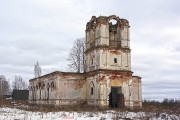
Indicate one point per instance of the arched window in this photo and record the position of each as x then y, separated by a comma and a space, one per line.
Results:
43, 86
91, 88
39, 85
92, 91
36, 87
48, 86
52, 86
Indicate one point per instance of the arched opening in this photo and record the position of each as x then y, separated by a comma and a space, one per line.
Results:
91, 88
40, 87
36, 87
114, 33
48, 86
113, 22
43, 91
116, 97
43, 86
92, 91
52, 86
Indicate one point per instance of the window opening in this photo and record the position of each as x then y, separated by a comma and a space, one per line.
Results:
115, 60
91, 90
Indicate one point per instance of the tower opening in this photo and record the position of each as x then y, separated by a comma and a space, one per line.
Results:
114, 33
113, 22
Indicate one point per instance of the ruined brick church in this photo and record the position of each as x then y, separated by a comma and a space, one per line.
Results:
107, 80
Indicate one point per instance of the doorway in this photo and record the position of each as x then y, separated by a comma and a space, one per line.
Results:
116, 98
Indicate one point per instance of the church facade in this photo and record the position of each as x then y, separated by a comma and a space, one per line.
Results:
107, 80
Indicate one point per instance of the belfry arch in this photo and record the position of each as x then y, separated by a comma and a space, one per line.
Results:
114, 32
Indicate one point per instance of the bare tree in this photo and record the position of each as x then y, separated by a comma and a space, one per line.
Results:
4, 86
37, 70
76, 56
19, 83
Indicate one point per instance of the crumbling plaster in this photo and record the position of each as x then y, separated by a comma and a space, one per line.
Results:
107, 65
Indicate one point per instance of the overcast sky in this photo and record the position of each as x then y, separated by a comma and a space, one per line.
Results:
44, 30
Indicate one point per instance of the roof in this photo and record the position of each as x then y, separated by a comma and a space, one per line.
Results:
57, 73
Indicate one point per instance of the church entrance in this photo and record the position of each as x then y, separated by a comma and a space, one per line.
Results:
116, 98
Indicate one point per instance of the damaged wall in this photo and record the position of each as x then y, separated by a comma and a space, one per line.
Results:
58, 88
107, 71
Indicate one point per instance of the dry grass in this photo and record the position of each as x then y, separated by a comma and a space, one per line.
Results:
155, 107
5, 102
150, 109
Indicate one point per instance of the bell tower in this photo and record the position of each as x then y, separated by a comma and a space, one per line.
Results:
107, 44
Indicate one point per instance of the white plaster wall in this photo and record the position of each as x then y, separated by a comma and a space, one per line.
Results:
103, 94
87, 40
30, 94
95, 56
103, 89
126, 92
31, 91
104, 34
97, 32
66, 90
106, 60
125, 37
136, 92
69, 89
92, 99
124, 33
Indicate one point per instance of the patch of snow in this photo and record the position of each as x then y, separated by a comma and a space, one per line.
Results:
16, 114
